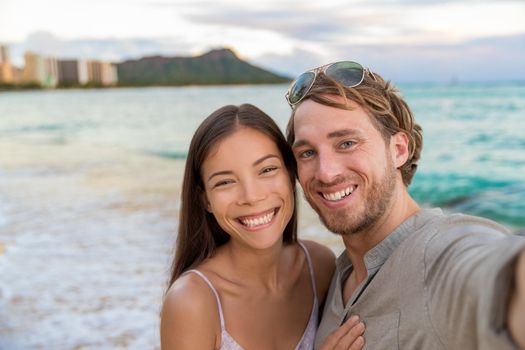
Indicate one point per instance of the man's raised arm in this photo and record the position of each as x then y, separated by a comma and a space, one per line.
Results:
516, 314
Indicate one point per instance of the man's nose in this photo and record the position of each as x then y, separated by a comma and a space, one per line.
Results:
329, 167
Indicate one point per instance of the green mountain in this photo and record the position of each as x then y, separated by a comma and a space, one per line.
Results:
220, 66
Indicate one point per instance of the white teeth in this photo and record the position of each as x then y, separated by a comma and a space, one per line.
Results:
261, 220
336, 196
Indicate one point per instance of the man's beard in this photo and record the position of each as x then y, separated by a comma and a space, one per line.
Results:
344, 221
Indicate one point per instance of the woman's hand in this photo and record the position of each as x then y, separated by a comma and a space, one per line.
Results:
347, 337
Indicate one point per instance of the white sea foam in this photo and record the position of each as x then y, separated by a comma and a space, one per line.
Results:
83, 267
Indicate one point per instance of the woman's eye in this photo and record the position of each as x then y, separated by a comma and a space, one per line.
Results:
223, 183
268, 169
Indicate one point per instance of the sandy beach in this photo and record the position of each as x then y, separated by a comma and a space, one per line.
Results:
86, 236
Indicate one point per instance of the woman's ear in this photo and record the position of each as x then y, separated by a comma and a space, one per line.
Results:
204, 201
399, 148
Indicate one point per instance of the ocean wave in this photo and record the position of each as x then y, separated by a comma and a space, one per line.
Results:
172, 154
500, 200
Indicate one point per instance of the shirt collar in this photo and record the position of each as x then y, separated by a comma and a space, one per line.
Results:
376, 257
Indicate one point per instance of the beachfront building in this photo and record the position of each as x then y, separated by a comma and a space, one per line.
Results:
6, 69
50, 72
4, 54
40, 70
109, 74
103, 73
72, 72
34, 71
17, 74
94, 69
6, 73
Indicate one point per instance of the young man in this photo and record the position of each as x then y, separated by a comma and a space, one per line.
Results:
418, 278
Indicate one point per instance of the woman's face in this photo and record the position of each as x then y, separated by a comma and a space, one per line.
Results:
248, 188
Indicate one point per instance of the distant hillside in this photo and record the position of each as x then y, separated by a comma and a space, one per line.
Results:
215, 67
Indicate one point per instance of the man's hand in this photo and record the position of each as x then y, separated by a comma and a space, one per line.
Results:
516, 314
347, 337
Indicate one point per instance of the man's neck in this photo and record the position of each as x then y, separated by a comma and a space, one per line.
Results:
358, 244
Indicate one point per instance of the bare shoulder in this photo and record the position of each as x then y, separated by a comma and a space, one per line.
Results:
323, 261
322, 256
185, 316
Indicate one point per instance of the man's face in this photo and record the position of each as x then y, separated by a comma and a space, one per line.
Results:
346, 169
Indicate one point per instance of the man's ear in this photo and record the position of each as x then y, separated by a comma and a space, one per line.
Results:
399, 148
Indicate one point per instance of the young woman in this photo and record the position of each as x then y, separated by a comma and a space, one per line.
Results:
240, 278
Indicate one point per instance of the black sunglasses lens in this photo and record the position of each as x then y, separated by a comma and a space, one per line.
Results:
300, 87
348, 73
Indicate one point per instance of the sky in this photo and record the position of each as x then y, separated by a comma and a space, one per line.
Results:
403, 40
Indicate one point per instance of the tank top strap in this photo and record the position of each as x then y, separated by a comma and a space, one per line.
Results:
219, 305
310, 268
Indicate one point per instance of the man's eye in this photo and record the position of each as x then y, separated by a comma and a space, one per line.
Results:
347, 144
306, 154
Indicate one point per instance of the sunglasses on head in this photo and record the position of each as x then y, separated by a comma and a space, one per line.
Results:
347, 73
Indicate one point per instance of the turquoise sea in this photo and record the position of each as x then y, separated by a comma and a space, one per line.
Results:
474, 139
90, 187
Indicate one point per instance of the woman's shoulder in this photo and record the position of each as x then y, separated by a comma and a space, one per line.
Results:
185, 315
190, 294
320, 254
323, 264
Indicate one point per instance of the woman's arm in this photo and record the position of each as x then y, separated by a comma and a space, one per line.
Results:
347, 337
516, 313
189, 317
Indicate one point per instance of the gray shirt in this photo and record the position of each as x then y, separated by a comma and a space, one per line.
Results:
436, 282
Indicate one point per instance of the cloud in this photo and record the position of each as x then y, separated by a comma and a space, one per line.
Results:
304, 23
488, 58
114, 50
484, 59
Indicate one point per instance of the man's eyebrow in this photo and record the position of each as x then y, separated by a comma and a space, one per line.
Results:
257, 162
331, 135
300, 143
341, 133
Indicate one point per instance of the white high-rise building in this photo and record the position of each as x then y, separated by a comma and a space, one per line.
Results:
34, 69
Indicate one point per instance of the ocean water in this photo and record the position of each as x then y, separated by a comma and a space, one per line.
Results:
89, 188
474, 139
